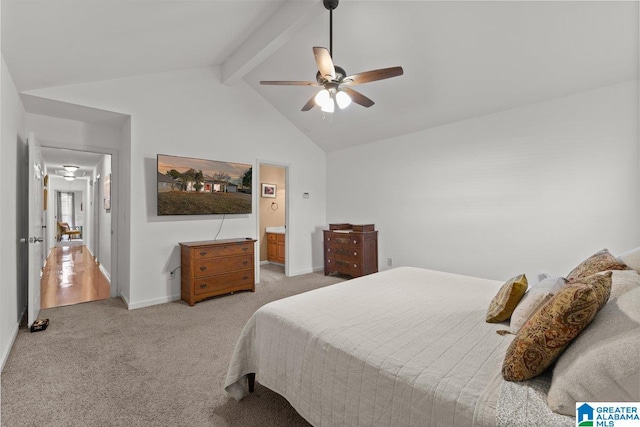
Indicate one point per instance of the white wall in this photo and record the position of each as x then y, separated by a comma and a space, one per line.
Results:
534, 189
12, 150
190, 113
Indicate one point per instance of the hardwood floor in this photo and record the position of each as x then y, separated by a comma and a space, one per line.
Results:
71, 277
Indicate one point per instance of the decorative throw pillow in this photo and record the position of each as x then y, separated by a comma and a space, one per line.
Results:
600, 261
507, 299
623, 281
537, 295
531, 302
603, 363
546, 334
631, 258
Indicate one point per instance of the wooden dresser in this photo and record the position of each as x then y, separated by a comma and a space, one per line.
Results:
216, 267
351, 249
275, 247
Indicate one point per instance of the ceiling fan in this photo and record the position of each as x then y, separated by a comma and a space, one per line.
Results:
334, 80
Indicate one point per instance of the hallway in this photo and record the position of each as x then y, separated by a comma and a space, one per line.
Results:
71, 277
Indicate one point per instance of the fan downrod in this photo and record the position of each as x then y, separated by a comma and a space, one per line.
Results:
330, 4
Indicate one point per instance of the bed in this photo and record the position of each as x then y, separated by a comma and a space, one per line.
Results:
403, 347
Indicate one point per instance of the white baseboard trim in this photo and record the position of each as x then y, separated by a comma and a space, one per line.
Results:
301, 272
150, 302
264, 262
106, 273
125, 300
6, 351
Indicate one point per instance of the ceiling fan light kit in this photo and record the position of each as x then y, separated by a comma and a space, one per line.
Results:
332, 77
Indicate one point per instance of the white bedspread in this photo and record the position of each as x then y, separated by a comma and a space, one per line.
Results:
404, 347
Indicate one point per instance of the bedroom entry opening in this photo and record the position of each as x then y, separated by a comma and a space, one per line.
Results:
78, 258
273, 219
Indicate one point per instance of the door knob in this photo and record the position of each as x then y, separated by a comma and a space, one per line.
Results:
31, 240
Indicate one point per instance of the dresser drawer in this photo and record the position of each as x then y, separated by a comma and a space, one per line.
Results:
208, 266
223, 281
342, 251
350, 267
346, 239
221, 251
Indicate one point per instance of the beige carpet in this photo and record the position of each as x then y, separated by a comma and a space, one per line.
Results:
99, 364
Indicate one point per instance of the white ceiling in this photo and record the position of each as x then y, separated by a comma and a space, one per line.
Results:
56, 159
461, 59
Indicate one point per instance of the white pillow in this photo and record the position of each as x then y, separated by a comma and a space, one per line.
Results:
623, 281
537, 295
631, 258
603, 362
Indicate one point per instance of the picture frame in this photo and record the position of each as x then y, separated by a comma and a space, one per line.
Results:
269, 190
107, 192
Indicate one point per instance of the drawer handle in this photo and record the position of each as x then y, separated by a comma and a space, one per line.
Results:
328, 261
202, 253
245, 249
245, 263
355, 241
204, 285
245, 277
355, 253
329, 250
355, 265
203, 268
329, 239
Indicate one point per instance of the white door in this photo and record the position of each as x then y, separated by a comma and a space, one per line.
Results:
34, 239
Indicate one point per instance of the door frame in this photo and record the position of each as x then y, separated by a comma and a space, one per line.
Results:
115, 285
287, 210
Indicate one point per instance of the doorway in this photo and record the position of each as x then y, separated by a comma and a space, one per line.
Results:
78, 267
273, 217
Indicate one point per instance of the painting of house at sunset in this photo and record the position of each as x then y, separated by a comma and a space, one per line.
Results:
189, 186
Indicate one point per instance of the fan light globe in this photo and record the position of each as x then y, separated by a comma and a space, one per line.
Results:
322, 98
71, 168
329, 106
343, 100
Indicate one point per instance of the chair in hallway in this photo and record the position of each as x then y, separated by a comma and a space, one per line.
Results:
64, 229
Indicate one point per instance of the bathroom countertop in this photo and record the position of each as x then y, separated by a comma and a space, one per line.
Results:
276, 230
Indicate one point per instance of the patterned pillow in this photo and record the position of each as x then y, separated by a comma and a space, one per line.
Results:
600, 261
547, 333
507, 299
531, 302
603, 363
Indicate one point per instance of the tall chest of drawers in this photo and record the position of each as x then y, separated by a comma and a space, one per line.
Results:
351, 250
216, 267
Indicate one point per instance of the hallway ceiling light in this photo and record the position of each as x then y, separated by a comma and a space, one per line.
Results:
71, 168
69, 177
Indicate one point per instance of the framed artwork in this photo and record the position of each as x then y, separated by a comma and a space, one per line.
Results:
269, 190
107, 192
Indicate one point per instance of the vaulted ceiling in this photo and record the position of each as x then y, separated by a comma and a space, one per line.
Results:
461, 59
